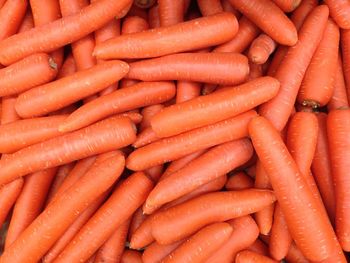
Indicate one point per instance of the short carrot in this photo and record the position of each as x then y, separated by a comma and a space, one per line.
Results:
210, 7
187, 90
239, 181
247, 256
171, 12
287, 5
217, 30
261, 48
157, 252
339, 11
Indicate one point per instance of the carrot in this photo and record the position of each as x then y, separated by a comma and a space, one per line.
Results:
11, 15
261, 48
221, 159
287, 5
131, 256
306, 219
217, 29
134, 24
142, 236
338, 126
278, 26
317, 87
255, 71
247, 256
302, 11
321, 167
2, 2
239, 181
136, 220
247, 32
169, 149
145, 137
63, 92
157, 252
68, 68
171, 12
345, 47
19, 134
153, 17
259, 247
50, 225
291, 71
147, 114
210, 7
144, 3
139, 95
98, 138
201, 245
27, 22
339, 11
80, 248
203, 110
295, 256
187, 90
198, 67
245, 232
63, 31
29, 203
8, 112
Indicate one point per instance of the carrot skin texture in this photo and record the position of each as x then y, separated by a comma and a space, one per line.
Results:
339, 11
143, 234
172, 148
182, 37
247, 256
134, 24
147, 114
171, 12
293, 67
203, 110
49, 225
275, 157
210, 7
287, 5
140, 186
261, 48
145, 137
187, 90
98, 138
239, 181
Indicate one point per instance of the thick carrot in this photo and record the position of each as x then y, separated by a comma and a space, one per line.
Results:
136, 96
50, 225
131, 256
247, 256
22, 133
338, 126
147, 114
101, 137
287, 5
153, 17
210, 7
209, 166
278, 26
169, 149
157, 252
291, 71
239, 181
295, 256
306, 219
339, 10
201, 245
261, 48
29, 203
117, 209
245, 232
65, 91
191, 35
145, 137
318, 84
204, 110
28, 73
171, 12
187, 90
134, 24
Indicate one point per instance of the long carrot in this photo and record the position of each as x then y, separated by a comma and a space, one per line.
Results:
221, 159
261, 48
124, 201
203, 110
209, 7
182, 37
339, 11
171, 12
287, 5
157, 252
291, 71
239, 181
247, 256
50, 225
307, 221
65, 91
169, 149
30, 72
136, 96
101, 137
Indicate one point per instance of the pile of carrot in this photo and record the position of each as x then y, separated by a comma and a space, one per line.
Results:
162, 131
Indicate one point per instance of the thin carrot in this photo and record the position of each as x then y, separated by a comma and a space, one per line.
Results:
187, 90
295, 256
131, 256
247, 256
261, 48
182, 37
27, 22
147, 114
157, 252
303, 10
203, 110
153, 17
145, 137
136, 96
287, 5
136, 220
63, 92
50, 225
169, 149
101, 137
210, 7
122, 203
339, 11
239, 181
68, 68
307, 221
291, 71
171, 12
255, 71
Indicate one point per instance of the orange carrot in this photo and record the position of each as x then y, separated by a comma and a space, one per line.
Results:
147, 114
153, 17
143, 234
136, 220
247, 256
291, 71
65, 91
210, 7
157, 252
295, 256
261, 48
144, 3
171, 12
2, 2
239, 181
226, 5
255, 71
134, 24
131, 256
184, 36
101, 137
345, 47
27, 22
187, 90
68, 68
139, 185
139, 95
204, 110
307, 221
287, 5
259, 247
145, 137
50, 225
339, 11
169, 149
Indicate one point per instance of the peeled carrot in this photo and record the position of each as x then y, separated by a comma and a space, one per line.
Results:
182, 37
65, 91
50, 225
136, 96
309, 228
123, 203
201, 245
145, 137
157, 252
339, 11
204, 110
187, 90
101, 137
131, 256
239, 181
153, 17
261, 48
169, 149
291, 71
287, 5
209, 7
247, 256
171, 12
